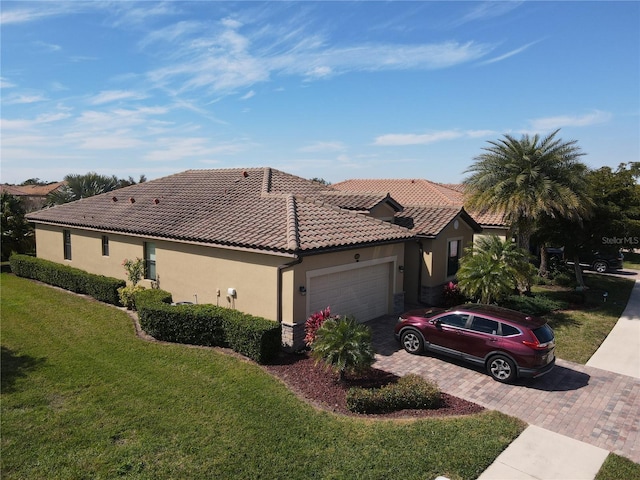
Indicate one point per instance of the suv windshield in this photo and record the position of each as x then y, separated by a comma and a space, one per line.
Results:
544, 334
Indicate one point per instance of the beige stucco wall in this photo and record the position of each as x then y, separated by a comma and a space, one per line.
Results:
488, 231
188, 270
425, 276
316, 262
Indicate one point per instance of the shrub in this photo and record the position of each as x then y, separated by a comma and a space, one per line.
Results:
134, 269
313, 323
104, 289
536, 306
452, 295
254, 337
344, 345
127, 295
410, 392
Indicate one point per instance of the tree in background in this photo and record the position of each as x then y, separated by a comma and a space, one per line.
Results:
615, 219
17, 233
82, 186
526, 179
494, 268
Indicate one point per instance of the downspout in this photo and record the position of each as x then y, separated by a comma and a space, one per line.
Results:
281, 268
420, 266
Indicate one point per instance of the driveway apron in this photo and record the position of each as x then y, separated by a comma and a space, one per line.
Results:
585, 403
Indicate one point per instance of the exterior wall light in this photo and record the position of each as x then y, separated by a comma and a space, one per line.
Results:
303, 290
401, 268
357, 257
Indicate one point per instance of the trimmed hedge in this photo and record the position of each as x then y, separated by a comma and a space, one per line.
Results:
410, 392
104, 289
254, 337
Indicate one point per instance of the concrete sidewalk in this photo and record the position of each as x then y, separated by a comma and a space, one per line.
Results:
541, 454
620, 351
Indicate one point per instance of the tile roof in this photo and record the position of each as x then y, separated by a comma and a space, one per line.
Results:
31, 190
258, 208
420, 192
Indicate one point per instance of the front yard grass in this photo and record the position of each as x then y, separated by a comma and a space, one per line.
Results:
582, 328
83, 397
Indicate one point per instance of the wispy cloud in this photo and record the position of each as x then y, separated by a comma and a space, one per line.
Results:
176, 148
401, 139
585, 120
324, 147
232, 55
4, 83
486, 10
108, 96
404, 139
22, 99
509, 54
248, 95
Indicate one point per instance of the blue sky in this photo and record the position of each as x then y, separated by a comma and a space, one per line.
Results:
335, 90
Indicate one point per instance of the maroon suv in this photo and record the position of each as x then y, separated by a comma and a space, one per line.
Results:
507, 343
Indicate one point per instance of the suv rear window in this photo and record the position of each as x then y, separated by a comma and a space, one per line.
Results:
544, 334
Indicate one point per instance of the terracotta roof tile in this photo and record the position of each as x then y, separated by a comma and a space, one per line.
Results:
420, 192
251, 208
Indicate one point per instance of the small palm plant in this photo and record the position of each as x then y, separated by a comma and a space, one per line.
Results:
494, 268
344, 345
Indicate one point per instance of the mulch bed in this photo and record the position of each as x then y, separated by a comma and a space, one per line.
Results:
320, 387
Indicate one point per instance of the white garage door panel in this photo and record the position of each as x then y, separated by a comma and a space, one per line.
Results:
361, 292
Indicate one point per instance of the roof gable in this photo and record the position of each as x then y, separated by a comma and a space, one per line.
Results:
424, 193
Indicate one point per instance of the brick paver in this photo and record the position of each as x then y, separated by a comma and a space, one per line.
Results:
585, 403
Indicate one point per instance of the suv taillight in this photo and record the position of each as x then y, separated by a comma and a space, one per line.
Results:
536, 345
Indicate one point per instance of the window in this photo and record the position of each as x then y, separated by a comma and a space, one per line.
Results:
66, 235
453, 257
150, 260
484, 325
454, 320
105, 246
508, 330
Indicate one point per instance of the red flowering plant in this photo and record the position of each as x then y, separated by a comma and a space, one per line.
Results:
452, 295
313, 323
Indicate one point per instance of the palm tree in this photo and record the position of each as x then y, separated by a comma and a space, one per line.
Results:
344, 345
82, 186
493, 268
526, 178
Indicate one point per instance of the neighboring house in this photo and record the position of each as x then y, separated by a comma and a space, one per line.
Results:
258, 240
443, 229
34, 197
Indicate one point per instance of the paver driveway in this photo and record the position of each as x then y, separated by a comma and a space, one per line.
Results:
585, 403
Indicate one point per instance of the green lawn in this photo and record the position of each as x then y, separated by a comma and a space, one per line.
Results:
83, 397
581, 330
631, 260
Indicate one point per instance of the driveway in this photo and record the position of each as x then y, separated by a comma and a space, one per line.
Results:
585, 403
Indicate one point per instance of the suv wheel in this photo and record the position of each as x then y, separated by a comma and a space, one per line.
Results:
501, 368
600, 266
412, 341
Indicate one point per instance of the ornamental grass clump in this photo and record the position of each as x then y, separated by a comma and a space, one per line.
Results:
344, 346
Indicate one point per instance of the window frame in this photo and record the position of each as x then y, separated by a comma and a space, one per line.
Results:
150, 261
66, 244
451, 269
105, 245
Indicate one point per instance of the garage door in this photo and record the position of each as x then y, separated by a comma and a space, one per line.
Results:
362, 292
